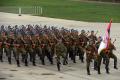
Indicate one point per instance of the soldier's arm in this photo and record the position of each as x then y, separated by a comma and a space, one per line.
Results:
87, 50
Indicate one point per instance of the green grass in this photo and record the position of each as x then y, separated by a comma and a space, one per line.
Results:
70, 9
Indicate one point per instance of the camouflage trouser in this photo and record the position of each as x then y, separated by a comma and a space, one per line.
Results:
8, 54
47, 53
88, 61
111, 55
38, 51
73, 55
58, 60
24, 56
106, 57
81, 54
32, 55
16, 54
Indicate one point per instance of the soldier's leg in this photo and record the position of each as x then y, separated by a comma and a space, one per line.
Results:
96, 62
64, 59
9, 52
81, 56
16, 56
25, 58
115, 60
99, 63
1, 55
88, 66
74, 57
34, 58
104, 61
107, 64
49, 56
18, 60
71, 55
39, 53
42, 58
31, 57
58, 62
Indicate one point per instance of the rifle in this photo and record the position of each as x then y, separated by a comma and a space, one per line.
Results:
114, 41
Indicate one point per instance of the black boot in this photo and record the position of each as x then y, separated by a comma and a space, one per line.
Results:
99, 70
9, 60
18, 63
107, 71
88, 71
26, 62
1, 59
43, 62
58, 66
115, 67
34, 64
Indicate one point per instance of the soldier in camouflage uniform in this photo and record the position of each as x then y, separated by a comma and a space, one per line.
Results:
83, 43
73, 51
91, 54
60, 51
38, 49
112, 55
22, 50
16, 52
2, 46
103, 54
30, 49
9, 48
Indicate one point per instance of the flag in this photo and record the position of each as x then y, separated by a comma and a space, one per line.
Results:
105, 41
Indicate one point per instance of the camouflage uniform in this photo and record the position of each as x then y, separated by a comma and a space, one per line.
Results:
38, 49
9, 48
30, 50
73, 51
103, 54
60, 51
2, 46
83, 43
111, 55
90, 55
22, 50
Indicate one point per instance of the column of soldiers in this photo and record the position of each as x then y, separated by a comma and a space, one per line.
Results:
29, 43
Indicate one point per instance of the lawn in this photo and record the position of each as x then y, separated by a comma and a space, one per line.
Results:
70, 9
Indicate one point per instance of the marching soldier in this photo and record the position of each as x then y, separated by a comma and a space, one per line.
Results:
22, 49
103, 54
16, 51
91, 54
38, 49
112, 55
73, 51
83, 42
60, 51
30, 50
2, 46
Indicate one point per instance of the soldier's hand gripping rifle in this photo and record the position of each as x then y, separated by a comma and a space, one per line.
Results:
87, 33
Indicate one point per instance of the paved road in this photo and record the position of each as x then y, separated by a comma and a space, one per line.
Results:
49, 72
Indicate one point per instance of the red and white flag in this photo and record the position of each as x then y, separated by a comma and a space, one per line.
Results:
105, 41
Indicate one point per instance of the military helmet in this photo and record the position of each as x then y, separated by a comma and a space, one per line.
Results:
92, 31
82, 31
